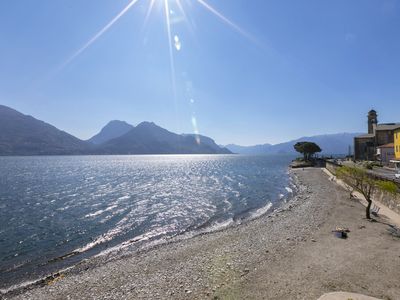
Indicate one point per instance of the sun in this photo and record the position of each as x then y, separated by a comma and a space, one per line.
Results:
173, 40
180, 4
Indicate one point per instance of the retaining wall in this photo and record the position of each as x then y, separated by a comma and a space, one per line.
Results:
387, 199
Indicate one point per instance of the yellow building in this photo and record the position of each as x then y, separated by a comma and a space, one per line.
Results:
397, 143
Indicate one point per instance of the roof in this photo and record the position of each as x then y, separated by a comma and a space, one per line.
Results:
390, 145
365, 136
388, 126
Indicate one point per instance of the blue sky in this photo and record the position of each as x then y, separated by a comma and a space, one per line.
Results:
282, 69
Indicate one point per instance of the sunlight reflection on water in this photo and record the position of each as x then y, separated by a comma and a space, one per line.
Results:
56, 205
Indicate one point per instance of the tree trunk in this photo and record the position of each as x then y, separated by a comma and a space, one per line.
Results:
368, 214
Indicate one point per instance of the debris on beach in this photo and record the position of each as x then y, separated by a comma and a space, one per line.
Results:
51, 279
341, 232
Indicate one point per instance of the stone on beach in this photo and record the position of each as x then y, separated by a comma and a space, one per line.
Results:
254, 260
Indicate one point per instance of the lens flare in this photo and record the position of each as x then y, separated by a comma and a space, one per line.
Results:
171, 58
196, 129
177, 43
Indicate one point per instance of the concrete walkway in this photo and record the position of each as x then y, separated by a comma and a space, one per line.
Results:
345, 296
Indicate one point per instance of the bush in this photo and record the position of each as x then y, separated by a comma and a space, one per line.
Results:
388, 186
369, 166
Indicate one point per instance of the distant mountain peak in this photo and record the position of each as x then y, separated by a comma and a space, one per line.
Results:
112, 130
117, 122
147, 124
24, 135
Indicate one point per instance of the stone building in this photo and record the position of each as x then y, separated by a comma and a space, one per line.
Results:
365, 146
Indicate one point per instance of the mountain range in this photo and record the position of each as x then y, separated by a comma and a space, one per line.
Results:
330, 144
24, 135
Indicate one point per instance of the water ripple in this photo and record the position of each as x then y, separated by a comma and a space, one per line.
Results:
59, 207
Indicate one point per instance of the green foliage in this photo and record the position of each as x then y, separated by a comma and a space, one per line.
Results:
388, 186
308, 149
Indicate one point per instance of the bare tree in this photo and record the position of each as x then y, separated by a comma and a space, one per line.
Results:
358, 179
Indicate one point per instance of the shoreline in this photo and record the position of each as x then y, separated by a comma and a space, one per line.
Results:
131, 247
290, 253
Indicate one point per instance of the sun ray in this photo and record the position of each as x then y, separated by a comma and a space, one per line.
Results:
179, 5
185, 17
98, 34
227, 21
149, 11
171, 54
171, 57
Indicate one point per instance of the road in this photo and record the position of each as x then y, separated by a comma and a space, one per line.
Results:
381, 172
385, 173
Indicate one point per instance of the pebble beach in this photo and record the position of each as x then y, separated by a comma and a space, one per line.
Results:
290, 253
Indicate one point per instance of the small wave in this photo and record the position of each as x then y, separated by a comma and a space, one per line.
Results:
100, 240
99, 212
261, 211
220, 225
229, 178
18, 286
289, 190
159, 232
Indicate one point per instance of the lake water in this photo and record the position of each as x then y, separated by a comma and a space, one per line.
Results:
73, 207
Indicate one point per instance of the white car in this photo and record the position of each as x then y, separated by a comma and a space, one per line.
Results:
397, 175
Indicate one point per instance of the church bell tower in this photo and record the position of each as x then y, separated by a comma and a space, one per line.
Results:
372, 121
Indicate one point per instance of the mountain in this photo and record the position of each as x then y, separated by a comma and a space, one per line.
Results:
148, 138
205, 140
24, 135
257, 149
111, 131
330, 144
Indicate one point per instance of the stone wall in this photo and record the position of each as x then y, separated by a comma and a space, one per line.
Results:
387, 199
331, 166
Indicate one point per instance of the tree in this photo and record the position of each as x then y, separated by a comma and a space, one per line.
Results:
359, 180
308, 149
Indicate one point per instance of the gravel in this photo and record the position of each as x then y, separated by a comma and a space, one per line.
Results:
290, 253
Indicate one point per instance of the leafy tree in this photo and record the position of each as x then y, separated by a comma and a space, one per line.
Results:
308, 149
359, 180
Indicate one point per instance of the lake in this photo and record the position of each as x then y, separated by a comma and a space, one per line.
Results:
57, 210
